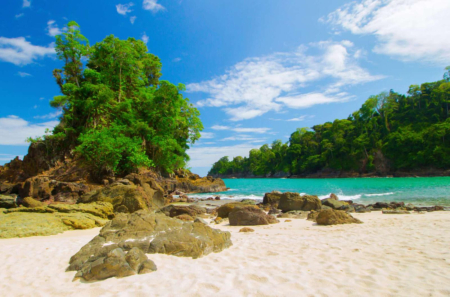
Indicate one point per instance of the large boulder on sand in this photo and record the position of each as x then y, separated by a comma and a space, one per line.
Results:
335, 217
250, 216
176, 210
116, 263
335, 204
224, 210
272, 198
127, 198
152, 233
293, 201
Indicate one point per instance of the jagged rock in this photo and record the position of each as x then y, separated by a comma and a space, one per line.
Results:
116, 264
7, 201
294, 214
152, 233
250, 216
293, 201
272, 198
335, 217
68, 191
185, 217
176, 210
246, 229
30, 202
187, 182
335, 204
126, 198
396, 211
224, 210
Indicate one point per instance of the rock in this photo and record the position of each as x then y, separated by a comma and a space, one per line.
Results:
7, 201
359, 208
335, 217
333, 197
184, 217
103, 210
200, 220
380, 205
274, 211
224, 210
396, 211
294, 214
287, 221
248, 201
410, 206
246, 229
438, 208
176, 210
218, 220
30, 202
312, 216
272, 198
250, 216
395, 205
116, 264
152, 233
127, 198
188, 182
335, 204
293, 201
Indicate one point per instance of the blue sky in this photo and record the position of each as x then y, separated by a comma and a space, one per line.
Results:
257, 70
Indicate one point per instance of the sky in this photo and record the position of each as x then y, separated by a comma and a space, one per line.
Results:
256, 70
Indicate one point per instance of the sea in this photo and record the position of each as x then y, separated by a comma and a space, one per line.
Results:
420, 191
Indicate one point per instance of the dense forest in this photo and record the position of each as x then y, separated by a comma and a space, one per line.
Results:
390, 132
117, 115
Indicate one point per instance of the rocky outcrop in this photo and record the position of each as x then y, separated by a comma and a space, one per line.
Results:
176, 210
335, 217
250, 216
187, 182
116, 263
31, 202
224, 210
53, 219
246, 230
335, 204
272, 198
151, 233
8, 201
293, 201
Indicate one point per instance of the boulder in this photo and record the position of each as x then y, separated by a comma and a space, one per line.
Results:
335, 217
410, 206
250, 216
176, 210
333, 196
246, 229
224, 210
30, 202
396, 211
335, 204
293, 201
116, 264
7, 201
126, 198
312, 216
380, 205
184, 217
248, 201
294, 214
152, 233
272, 198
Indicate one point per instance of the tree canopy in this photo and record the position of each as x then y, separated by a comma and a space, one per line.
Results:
116, 112
410, 131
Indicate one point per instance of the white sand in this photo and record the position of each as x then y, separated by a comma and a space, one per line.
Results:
388, 255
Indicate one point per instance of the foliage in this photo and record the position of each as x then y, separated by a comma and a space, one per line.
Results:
117, 114
411, 131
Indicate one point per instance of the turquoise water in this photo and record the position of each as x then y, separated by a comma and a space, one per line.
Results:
420, 191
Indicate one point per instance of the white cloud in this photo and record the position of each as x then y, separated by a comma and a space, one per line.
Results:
144, 38
15, 130
51, 115
53, 29
299, 119
207, 135
241, 130
23, 74
255, 86
176, 60
26, 3
246, 138
21, 52
19, 15
132, 19
206, 156
310, 99
406, 29
152, 5
123, 9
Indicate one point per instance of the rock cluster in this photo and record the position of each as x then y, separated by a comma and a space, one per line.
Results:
250, 216
335, 217
294, 201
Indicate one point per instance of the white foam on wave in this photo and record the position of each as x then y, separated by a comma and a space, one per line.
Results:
381, 194
342, 196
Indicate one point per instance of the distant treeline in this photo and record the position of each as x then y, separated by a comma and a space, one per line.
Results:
400, 132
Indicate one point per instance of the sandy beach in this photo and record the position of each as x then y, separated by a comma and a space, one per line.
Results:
388, 255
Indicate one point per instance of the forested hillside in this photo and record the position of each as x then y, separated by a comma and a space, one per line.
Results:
117, 115
390, 132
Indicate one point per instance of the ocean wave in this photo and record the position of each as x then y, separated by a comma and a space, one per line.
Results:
381, 194
342, 196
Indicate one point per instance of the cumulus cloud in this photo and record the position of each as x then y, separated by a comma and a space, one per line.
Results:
246, 138
144, 38
51, 115
405, 29
53, 29
132, 19
206, 156
207, 135
241, 130
21, 52
152, 5
15, 130
123, 9
23, 74
258, 85
26, 3
19, 15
